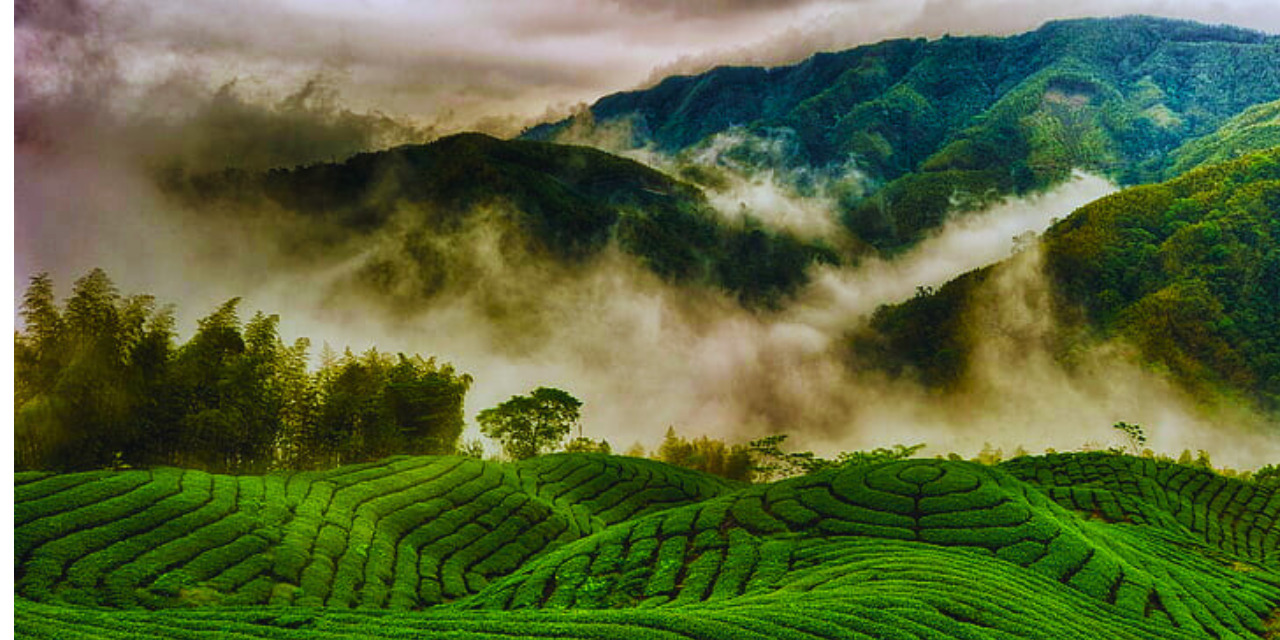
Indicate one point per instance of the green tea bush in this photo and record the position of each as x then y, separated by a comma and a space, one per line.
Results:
1116, 546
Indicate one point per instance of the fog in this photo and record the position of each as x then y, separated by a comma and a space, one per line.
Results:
101, 111
497, 65
641, 353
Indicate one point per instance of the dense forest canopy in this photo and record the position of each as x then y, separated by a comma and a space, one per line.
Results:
960, 121
564, 202
1186, 270
101, 380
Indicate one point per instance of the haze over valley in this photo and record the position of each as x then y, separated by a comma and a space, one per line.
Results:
739, 335
647, 319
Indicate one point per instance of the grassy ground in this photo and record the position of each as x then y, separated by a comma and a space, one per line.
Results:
593, 546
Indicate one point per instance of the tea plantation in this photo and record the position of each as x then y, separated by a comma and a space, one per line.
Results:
594, 546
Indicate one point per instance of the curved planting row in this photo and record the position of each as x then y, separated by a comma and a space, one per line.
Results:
613, 489
752, 543
100, 542
403, 533
587, 545
903, 591
1241, 518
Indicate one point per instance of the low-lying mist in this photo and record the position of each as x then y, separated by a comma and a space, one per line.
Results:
642, 354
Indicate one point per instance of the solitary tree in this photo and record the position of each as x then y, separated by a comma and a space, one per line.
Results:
529, 425
1134, 434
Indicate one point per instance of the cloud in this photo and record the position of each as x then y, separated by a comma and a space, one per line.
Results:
760, 176
642, 354
962, 244
106, 91
500, 64
1017, 382
711, 8
228, 129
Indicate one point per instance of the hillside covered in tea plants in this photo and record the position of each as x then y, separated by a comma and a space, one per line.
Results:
596, 546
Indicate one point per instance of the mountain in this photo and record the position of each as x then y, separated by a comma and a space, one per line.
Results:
588, 545
1257, 129
956, 122
566, 202
1188, 271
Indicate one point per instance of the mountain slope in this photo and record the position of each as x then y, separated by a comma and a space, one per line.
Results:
952, 122
1186, 270
1257, 129
583, 545
563, 202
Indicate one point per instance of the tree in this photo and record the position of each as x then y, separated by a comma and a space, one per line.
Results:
224, 402
425, 401
473, 448
354, 422
771, 461
706, 455
528, 425
1135, 435
587, 445
377, 405
1268, 475
36, 354
101, 382
86, 376
881, 454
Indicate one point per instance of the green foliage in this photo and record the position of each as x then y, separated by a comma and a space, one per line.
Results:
375, 405
925, 338
1269, 474
101, 383
771, 462
587, 445
529, 425
566, 202
953, 123
706, 455
1185, 270
1134, 434
473, 448
878, 455
86, 375
1255, 129
622, 547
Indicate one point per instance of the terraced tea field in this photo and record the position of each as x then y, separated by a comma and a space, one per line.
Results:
594, 546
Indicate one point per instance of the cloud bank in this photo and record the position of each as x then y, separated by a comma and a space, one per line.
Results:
491, 64
108, 94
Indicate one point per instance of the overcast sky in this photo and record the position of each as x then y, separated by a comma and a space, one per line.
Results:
495, 64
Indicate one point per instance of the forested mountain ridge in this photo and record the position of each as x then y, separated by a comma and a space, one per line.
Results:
566, 202
925, 127
1257, 129
957, 121
1186, 270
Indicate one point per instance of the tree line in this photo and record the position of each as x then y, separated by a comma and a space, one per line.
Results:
101, 380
